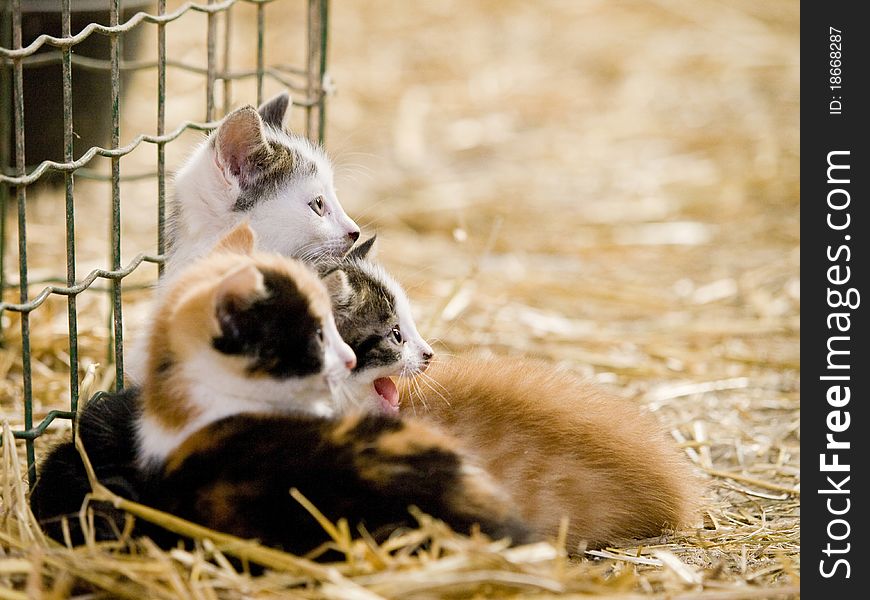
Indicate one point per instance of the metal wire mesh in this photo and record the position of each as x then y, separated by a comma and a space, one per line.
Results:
307, 87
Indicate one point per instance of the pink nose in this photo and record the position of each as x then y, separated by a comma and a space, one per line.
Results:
348, 356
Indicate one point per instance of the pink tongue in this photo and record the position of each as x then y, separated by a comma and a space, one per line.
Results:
389, 394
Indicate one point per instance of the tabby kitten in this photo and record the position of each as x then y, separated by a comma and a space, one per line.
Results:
559, 445
374, 317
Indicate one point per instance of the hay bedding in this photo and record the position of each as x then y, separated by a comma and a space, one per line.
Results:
611, 187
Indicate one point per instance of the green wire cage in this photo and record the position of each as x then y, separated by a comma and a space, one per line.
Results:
65, 66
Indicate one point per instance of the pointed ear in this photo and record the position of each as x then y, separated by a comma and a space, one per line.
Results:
338, 286
273, 111
238, 137
240, 239
364, 250
236, 292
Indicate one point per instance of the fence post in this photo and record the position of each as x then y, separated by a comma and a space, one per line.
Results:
5, 149
70, 210
318, 16
118, 323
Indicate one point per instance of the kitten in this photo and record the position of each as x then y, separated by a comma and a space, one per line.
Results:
561, 447
557, 444
368, 306
252, 169
374, 317
249, 367
264, 322
235, 475
128, 435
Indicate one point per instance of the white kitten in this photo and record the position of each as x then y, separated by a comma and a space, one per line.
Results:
251, 169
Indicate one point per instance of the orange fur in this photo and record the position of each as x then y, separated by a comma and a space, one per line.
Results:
240, 240
562, 448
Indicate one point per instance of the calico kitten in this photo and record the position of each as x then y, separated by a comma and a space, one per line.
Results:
372, 314
235, 476
107, 427
263, 364
561, 447
128, 435
264, 323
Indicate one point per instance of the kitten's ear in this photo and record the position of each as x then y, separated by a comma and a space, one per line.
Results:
240, 240
238, 137
365, 250
240, 288
338, 286
273, 111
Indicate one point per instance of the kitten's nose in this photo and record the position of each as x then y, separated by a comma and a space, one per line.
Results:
342, 353
353, 235
348, 356
427, 358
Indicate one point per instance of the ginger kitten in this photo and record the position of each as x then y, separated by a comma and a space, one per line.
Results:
561, 447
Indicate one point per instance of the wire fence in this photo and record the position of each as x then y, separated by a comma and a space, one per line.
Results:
18, 59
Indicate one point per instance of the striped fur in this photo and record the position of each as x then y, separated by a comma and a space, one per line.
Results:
374, 317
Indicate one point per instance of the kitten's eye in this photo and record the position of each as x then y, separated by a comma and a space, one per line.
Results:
317, 206
319, 334
397, 335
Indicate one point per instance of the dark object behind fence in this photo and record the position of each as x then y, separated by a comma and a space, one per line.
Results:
43, 78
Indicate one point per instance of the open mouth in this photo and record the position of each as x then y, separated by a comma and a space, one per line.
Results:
388, 394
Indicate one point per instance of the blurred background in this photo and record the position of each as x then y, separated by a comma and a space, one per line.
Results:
609, 185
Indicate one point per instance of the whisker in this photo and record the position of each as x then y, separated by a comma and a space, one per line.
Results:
411, 391
426, 380
416, 383
426, 376
368, 209
345, 397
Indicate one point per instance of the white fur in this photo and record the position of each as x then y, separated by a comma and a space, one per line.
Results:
283, 223
339, 356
